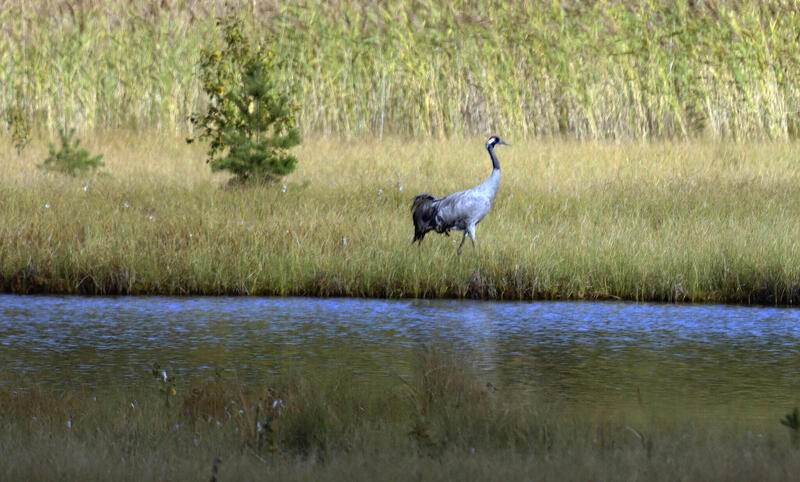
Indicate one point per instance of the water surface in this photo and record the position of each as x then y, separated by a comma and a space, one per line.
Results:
594, 353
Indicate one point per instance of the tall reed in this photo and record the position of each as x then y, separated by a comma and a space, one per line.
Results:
622, 69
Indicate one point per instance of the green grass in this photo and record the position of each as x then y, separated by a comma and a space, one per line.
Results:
672, 221
621, 69
444, 421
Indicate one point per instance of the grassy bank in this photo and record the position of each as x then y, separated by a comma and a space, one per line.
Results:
653, 221
444, 421
621, 69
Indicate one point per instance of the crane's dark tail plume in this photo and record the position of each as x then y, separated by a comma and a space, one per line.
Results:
424, 213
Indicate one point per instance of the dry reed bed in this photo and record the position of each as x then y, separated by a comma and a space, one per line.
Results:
653, 221
600, 70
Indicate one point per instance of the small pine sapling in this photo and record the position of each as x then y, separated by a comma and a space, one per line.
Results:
70, 159
249, 122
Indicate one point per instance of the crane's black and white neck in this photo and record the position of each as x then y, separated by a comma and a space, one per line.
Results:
493, 141
461, 210
489, 187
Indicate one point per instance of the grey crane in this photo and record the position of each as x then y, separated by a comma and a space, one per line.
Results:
459, 211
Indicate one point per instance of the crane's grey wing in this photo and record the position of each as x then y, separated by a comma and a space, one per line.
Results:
461, 209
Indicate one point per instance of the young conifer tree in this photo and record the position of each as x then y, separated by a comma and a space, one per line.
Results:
249, 122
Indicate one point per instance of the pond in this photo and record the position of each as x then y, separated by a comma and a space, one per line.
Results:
730, 358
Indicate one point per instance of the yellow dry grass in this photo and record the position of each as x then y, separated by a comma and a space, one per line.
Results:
697, 221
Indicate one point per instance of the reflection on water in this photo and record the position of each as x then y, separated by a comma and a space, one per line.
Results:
583, 351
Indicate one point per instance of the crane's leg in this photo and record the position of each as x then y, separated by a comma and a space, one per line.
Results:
471, 233
463, 238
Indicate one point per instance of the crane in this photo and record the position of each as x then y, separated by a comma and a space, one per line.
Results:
459, 211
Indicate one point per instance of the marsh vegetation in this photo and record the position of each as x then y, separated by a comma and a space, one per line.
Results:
664, 221
654, 158
623, 69
445, 420
689, 215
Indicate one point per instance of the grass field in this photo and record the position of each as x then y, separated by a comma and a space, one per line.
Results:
672, 221
444, 421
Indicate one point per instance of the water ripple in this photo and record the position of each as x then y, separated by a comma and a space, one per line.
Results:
572, 346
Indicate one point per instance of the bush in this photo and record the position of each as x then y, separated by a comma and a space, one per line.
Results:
20, 128
70, 159
249, 121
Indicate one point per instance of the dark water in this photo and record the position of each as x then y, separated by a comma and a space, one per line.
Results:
590, 352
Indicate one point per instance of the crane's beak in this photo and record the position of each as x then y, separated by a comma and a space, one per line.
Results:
504, 143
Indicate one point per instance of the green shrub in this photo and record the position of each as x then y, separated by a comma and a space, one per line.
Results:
249, 121
20, 128
70, 159
792, 421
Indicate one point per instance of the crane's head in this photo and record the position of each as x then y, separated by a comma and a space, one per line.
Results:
493, 141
